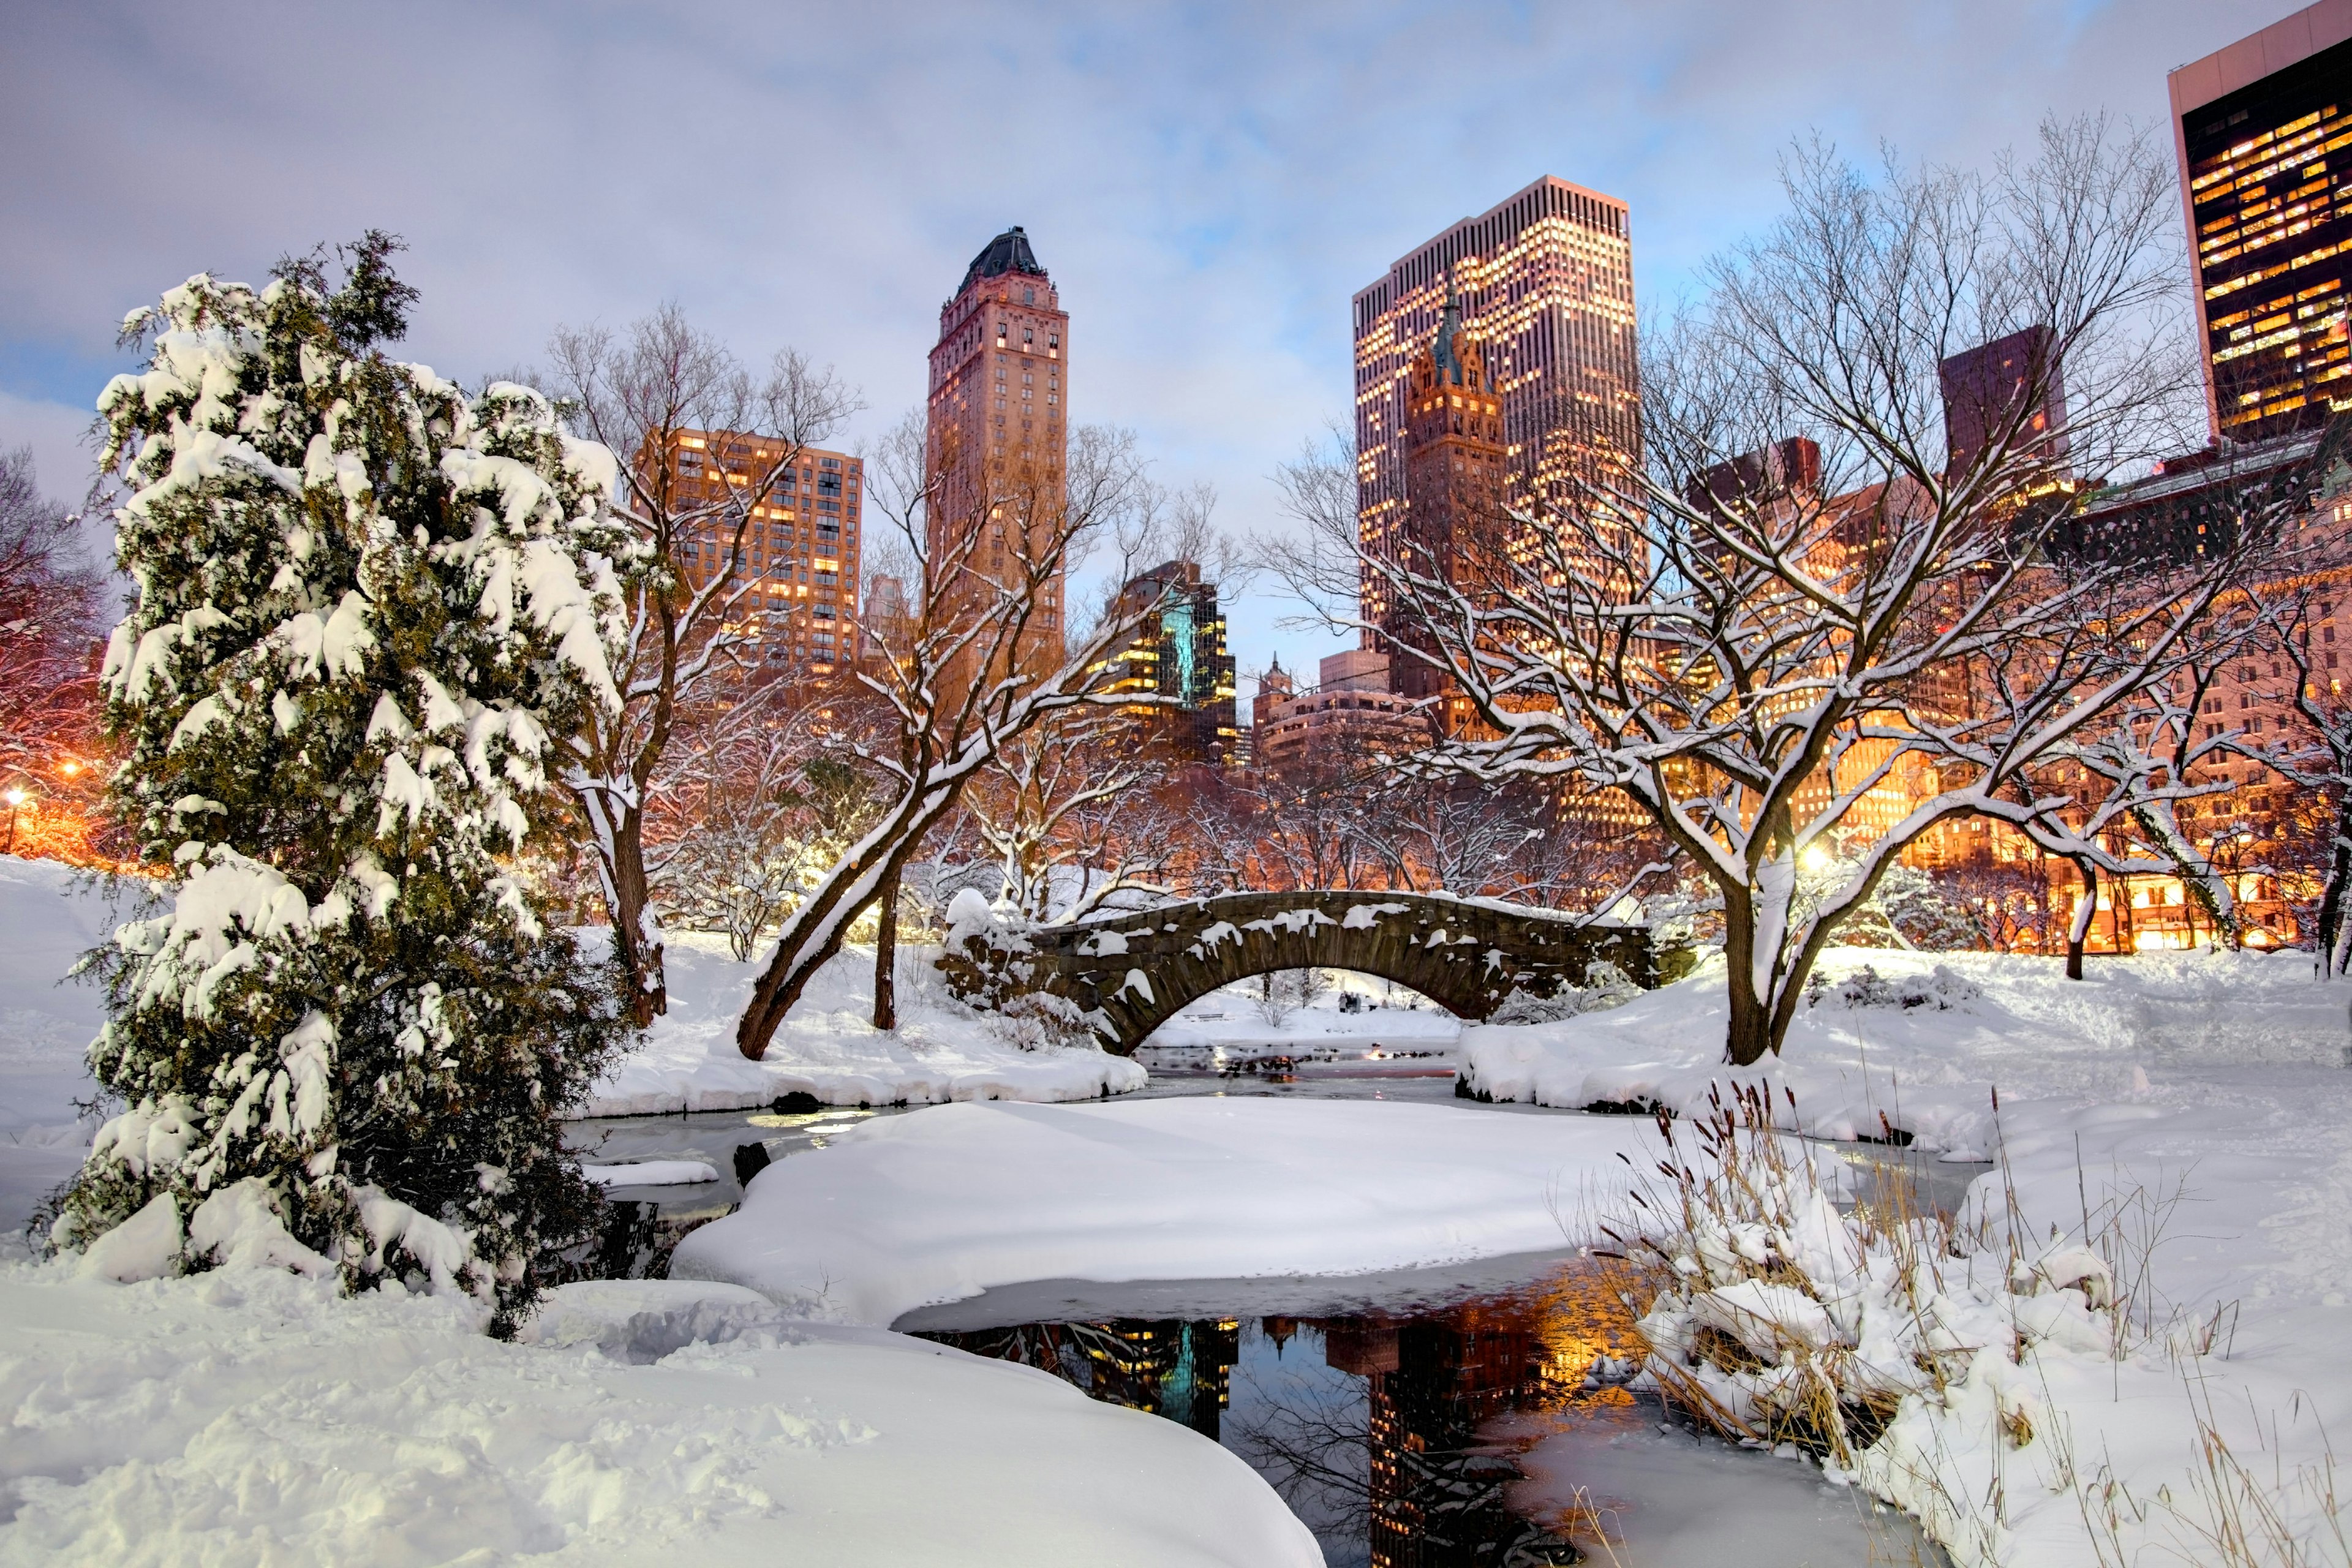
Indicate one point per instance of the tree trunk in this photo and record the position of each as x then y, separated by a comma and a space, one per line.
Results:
637, 936
2331, 897
886, 956
1750, 1035
2079, 931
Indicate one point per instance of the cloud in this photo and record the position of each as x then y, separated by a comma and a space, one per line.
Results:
58, 436
1208, 183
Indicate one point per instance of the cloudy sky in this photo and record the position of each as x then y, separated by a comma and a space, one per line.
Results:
1208, 184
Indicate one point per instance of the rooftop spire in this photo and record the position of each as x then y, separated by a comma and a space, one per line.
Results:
1449, 362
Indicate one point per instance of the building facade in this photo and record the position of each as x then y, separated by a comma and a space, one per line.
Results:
1544, 283
797, 563
1454, 529
1341, 725
997, 433
1182, 657
2261, 129
2006, 393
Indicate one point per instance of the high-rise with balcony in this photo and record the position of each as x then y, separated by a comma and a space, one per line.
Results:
1544, 284
997, 433
2263, 132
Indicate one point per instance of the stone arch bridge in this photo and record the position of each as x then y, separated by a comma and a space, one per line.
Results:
1129, 972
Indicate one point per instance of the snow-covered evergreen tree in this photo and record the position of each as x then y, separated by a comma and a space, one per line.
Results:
369, 609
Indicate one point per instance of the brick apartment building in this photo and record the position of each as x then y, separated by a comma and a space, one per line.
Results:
797, 565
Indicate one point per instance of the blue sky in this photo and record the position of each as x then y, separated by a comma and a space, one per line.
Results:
1208, 184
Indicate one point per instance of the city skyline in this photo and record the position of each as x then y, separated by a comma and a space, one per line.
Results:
1208, 228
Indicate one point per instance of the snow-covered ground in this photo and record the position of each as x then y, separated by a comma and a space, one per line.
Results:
946, 1203
2194, 1111
1925, 1043
250, 1416
50, 916
830, 1048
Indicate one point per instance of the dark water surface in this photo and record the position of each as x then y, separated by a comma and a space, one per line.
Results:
1435, 1418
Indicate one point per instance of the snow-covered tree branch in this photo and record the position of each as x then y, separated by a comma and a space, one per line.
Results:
973, 661
645, 394
1822, 596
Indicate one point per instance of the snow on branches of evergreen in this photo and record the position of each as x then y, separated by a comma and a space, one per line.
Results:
369, 605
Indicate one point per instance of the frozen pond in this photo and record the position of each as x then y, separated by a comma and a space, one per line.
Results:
1434, 1417
1424, 1417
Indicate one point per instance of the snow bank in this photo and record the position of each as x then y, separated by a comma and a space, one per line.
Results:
1923, 1047
830, 1048
910, 1211
50, 916
250, 1416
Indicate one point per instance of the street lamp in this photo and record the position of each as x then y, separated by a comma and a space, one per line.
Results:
16, 796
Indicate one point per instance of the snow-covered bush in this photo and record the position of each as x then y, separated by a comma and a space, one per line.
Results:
1282, 991
1864, 1338
1605, 986
1041, 1021
369, 607
1937, 990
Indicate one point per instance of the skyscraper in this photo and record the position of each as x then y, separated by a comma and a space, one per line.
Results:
1987, 387
997, 427
1455, 484
2261, 129
1181, 655
1544, 283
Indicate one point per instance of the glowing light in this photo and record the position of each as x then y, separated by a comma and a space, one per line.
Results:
1814, 858
16, 797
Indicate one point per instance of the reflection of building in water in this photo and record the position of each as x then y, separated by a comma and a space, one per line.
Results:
1168, 1366
1437, 1492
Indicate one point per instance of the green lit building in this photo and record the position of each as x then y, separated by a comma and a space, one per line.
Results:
1181, 655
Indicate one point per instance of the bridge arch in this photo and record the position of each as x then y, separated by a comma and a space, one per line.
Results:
1129, 972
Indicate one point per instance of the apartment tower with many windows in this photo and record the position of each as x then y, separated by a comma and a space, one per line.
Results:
1544, 284
998, 433
797, 567
2263, 132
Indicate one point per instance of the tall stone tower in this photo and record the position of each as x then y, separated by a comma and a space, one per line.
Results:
1454, 527
1544, 280
998, 434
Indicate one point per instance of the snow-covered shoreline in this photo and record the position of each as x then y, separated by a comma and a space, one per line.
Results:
248, 1414
943, 1204
830, 1050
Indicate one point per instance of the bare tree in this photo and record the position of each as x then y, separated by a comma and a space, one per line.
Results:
48, 624
1056, 810
976, 662
1751, 639
2319, 756
759, 798
646, 394
49, 610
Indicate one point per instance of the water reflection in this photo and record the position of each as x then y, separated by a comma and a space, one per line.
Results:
1370, 1426
1482, 1431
